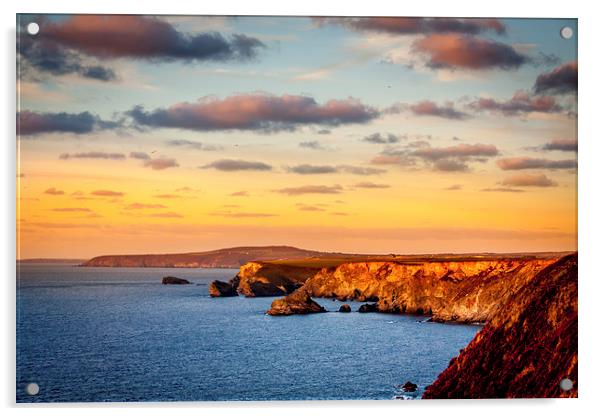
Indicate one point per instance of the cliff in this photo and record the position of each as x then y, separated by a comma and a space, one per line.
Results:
528, 346
464, 290
224, 258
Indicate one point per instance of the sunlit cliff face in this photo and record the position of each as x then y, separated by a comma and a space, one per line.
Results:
370, 136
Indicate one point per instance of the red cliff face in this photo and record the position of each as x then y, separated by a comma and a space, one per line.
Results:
527, 348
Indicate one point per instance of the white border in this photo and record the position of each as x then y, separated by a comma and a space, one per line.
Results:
590, 207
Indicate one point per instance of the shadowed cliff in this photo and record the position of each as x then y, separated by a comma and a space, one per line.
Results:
526, 349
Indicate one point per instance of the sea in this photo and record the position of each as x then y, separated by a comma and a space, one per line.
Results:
119, 335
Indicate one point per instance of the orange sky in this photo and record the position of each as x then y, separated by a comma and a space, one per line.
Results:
414, 170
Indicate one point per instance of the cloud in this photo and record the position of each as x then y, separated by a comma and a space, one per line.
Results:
262, 112
244, 214
138, 205
140, 155
193, 145
459, 150
30, 123
105, 192
520, 163
502, 190
310, 189
306, 169
378, 138
231, 165
144, 37
414, 25
560, 80
240, 193
445, 159
450, 165
71, 210
311, 208
529, 180
357, 170
161, 163
165, 215
323, 131
339, 214
467, 52
314, 145
564, 145
521, 103
453, 188
92, 155
168, 196
54, 191
371, 185
429, 108
312, 169
37, 54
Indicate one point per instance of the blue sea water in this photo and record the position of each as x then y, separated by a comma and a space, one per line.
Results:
118, 334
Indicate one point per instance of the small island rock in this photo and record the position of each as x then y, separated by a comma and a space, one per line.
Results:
218, 288
345, 308
368, 307
170, 280
409, 387
298, 302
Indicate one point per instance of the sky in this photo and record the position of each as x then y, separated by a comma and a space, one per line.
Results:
167, 134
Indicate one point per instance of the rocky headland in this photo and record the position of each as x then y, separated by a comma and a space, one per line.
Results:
233, 257
527, 302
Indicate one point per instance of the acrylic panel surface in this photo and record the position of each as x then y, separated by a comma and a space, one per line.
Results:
199, 197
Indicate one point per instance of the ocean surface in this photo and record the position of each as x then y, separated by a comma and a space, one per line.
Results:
118, 334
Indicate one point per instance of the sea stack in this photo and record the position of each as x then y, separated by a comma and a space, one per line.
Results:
298, 302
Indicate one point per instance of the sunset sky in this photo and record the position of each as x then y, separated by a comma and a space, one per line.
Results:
373, 135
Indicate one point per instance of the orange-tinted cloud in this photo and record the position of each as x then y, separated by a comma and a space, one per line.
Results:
106, 192
521, 103
254, 112
529, 180
54, 191
467, 52
123, 36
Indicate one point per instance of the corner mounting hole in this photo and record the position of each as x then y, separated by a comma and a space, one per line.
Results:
566, 384
33, 28
32, 389
566, 32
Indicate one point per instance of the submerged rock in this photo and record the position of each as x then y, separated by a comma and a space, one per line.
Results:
170, 280
218, 288
409, 387
368, 307
298, 302
345, 308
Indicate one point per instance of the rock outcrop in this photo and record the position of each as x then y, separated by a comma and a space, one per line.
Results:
218, 288
409, 387
272, 279
526, 348
368, 307
298, 302
345, 308
170, 280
